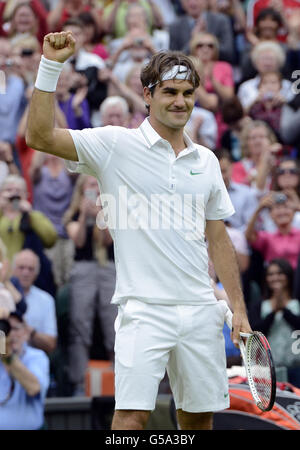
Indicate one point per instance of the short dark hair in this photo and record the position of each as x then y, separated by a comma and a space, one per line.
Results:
163, 61
269, 12
232, 110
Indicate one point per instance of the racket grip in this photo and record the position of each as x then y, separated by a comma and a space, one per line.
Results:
228, 318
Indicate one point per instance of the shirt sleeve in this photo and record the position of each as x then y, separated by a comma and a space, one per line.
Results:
94, 147
50, 324
219, 205
39, 365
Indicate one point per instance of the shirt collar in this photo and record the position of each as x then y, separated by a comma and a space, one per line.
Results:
292, 232
152, 137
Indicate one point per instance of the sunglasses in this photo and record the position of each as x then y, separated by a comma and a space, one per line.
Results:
205, 44
292, 171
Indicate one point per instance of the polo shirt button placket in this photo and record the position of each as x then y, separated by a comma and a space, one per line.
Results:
172, 177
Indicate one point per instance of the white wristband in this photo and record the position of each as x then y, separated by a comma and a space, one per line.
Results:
48, 75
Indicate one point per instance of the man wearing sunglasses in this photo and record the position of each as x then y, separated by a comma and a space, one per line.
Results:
24, 380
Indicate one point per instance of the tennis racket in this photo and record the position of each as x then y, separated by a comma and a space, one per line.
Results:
259, 366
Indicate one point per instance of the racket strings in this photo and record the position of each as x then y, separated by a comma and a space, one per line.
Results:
260, 370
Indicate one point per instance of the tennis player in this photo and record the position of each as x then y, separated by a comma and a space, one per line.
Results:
164, 200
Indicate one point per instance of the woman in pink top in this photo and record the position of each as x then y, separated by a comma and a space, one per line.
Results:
217, 76
282, 243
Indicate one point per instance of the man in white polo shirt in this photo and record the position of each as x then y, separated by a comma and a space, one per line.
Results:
163, 199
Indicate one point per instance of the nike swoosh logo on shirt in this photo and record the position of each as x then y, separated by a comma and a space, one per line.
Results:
194, 173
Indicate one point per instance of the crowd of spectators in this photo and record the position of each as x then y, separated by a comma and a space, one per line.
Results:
247, 111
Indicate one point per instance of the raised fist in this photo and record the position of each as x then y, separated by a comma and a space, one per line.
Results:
59, 46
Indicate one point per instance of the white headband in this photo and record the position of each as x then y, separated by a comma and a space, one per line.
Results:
177, 73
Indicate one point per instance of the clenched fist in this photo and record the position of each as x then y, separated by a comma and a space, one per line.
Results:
59, 46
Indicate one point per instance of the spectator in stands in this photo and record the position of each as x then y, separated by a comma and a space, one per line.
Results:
74, 105
236, 13
40, 316
22, 227
286, 8
24, 153
259, 156
66, 10
266, 56
267, 27
88, 65
24, 373
93, 35
217, 76
243, 197
269, 102
92, 280
286, 179
236, 120
278, 316
21, 17
198, 19
53, 188
284, 242
114, 111
137, 44
24, 23
114, 17
26, 55
131, 90
12, 105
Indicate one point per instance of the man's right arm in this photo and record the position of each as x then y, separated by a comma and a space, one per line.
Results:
41, 133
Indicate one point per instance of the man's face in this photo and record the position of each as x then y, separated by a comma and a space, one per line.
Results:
26, 269
171, 104
194, 7
114, 115
17, 334
226, 167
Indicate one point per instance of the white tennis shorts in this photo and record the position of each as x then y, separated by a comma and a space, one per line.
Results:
186, 340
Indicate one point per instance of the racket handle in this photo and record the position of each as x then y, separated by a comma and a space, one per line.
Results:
228, 320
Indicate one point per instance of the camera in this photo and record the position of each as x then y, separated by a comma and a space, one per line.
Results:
5, 326
139, 42
279, 198
15, 201
91, 194
268, 95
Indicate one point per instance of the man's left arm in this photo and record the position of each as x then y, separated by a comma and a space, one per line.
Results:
223, 256
21, 373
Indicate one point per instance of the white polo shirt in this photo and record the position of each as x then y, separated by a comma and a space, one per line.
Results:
156, 205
